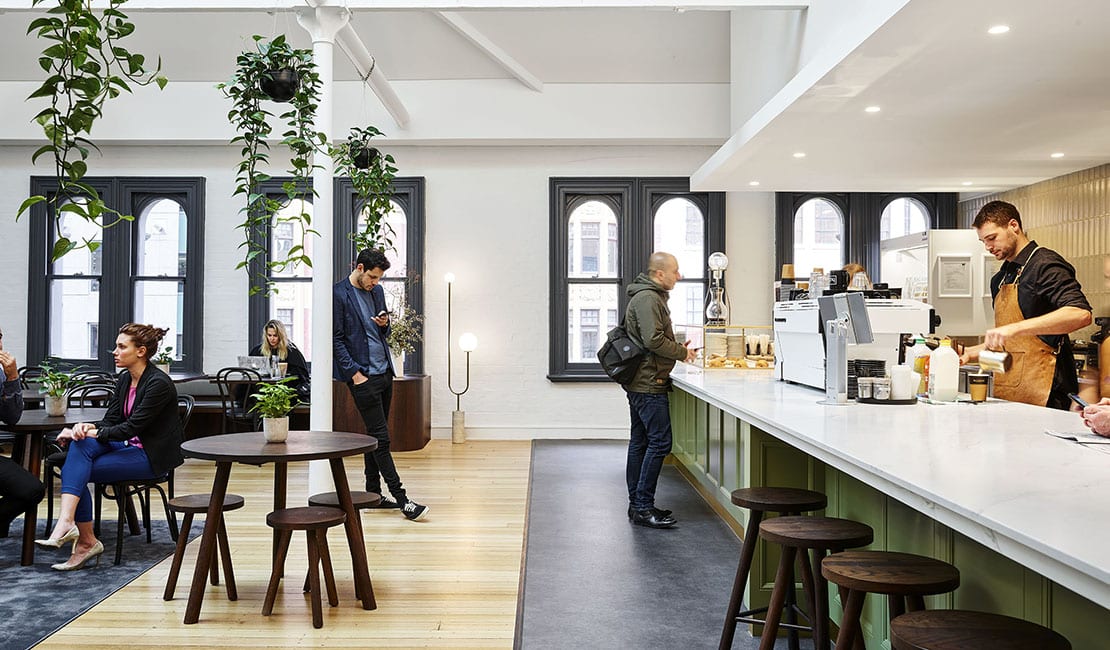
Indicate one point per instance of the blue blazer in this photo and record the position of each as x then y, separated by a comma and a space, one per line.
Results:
351, 351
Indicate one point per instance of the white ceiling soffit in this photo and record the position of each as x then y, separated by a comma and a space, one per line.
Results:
961, 109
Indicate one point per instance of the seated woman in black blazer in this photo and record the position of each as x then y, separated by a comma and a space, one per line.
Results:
139, 437
276, 342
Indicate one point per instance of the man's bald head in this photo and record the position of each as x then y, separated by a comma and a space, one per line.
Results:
663, 270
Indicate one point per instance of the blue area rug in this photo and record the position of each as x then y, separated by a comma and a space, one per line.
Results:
36, 600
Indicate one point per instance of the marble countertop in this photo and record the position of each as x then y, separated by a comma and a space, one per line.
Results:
986, 470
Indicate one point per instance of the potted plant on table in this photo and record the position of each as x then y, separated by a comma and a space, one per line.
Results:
404, 334
163, 359
274, 401
55, 383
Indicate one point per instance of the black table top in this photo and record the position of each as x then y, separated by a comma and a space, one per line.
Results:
37, 419
252, 448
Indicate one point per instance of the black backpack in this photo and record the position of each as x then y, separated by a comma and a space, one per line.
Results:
620, 356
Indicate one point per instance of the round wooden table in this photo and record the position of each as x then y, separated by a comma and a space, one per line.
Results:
252, 449
32, 425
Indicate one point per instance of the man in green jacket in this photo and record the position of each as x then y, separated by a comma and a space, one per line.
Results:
648, 322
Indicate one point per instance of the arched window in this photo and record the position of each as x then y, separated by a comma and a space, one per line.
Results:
679, 229
818, 237
161, 260
74, 289
149, 269
292, 299
394, 281
593, 245
903, 216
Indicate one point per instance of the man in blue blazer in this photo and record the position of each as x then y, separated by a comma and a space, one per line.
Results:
360, 325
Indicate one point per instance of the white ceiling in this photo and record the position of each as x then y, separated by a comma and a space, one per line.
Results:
638, 45
958, 105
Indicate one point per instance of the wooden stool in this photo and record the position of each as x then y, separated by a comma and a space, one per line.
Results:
760, 500
963, 630
194, 504
903, 577
361, 500
821, 535
315, 521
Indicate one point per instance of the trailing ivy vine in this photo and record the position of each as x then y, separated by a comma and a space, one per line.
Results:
252, 120
373, 184
86, 65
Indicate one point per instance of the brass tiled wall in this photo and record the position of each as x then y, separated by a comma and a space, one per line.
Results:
1071, 215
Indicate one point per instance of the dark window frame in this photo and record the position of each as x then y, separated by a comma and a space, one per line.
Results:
118, 262
409, 194
862, 213
635, 202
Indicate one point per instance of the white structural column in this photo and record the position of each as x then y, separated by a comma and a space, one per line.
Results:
322, 23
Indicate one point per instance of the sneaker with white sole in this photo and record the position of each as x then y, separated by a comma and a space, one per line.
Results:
413, 510
385, 504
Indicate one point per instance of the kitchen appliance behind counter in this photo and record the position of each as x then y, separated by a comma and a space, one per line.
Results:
800, 344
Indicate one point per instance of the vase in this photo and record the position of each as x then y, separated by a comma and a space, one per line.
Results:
362, 157
280, 85
56, 406
164, 367
398, 363
275, 429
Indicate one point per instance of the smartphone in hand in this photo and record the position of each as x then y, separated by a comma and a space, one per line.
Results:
1078, 400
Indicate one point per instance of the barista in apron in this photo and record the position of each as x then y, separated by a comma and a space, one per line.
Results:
1037, 303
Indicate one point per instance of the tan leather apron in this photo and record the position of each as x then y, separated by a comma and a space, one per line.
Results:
1034, 362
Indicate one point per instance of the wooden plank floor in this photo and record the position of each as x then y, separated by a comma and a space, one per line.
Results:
449, 581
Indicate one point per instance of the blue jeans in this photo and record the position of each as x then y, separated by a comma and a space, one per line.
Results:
648, 446
91, 460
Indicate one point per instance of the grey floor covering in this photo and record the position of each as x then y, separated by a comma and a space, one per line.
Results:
36, 600
593, 580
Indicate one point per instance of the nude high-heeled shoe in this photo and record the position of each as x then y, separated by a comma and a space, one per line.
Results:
82, 561
70, 536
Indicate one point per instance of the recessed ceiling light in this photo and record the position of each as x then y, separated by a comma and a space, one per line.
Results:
754, 183
1058, 154
800, 154
872, 109
966, 183
998, 29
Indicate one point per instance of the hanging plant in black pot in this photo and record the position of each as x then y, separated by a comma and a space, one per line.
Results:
256, 79
371, 174
362, 156
280, 84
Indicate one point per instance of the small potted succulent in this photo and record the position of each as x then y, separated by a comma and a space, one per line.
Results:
55, 383
274, 401
163, 359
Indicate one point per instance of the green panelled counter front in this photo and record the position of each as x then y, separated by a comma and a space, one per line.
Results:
741, 428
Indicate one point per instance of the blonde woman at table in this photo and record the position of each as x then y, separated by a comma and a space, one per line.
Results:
276, 342
139, 438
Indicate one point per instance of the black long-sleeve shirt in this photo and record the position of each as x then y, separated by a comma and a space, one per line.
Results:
1047, 284
11, 401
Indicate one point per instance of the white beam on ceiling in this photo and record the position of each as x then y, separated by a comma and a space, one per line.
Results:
494, 51
436, 5
349, 41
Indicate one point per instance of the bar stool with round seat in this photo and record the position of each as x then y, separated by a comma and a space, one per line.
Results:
761, 500
194, 504
818, 534
361, 500
949, 629
315, 521
903, 577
